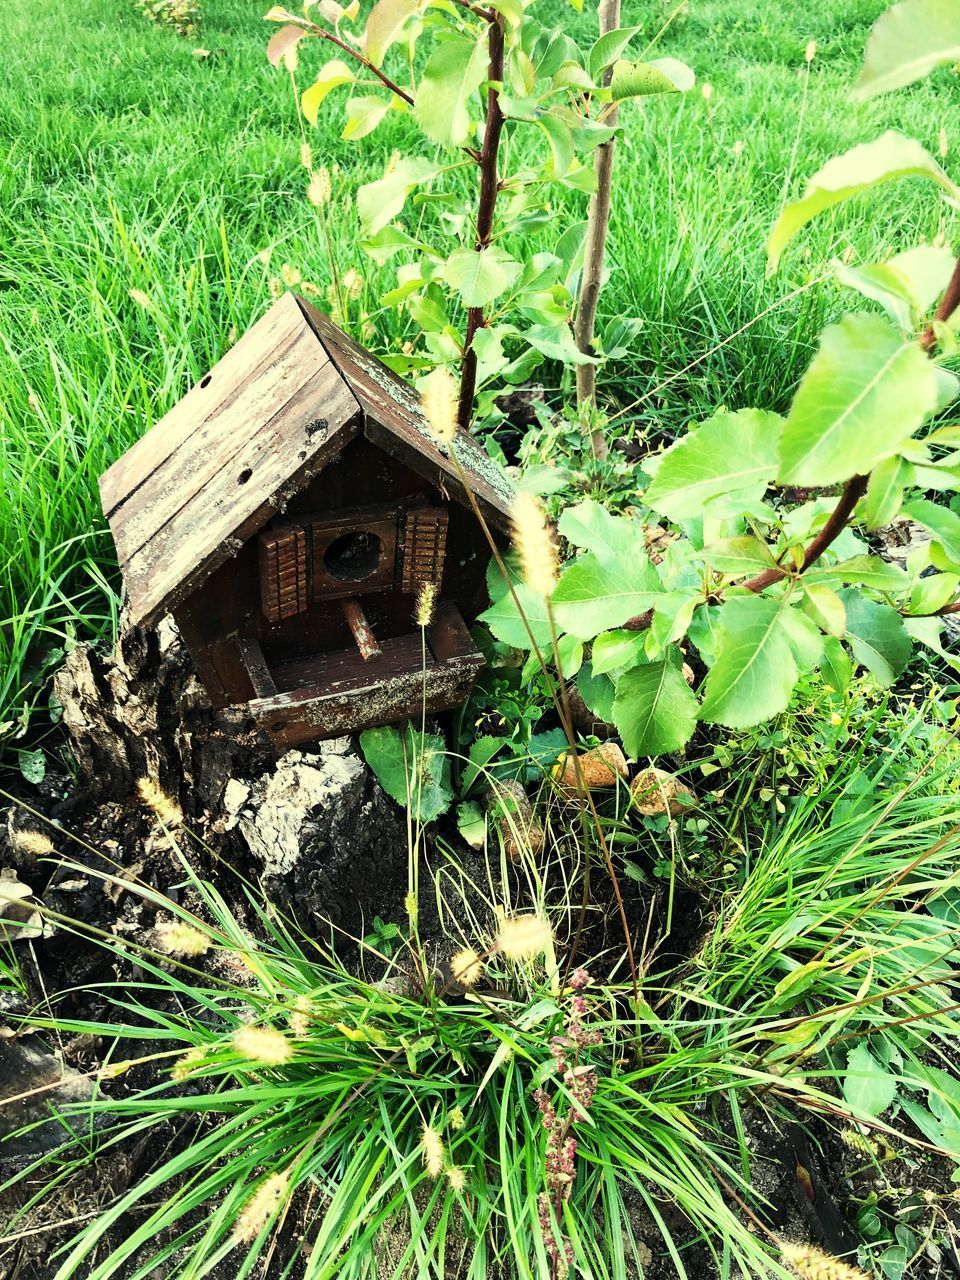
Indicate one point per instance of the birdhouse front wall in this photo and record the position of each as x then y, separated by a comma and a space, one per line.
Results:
367, 527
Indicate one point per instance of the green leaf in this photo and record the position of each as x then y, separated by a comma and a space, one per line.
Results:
825, 608
592, 527
384, 26
615, 649
505, 621
863, 396
561, 143
876, 634
890, 156
738, 556
908, 42
454, 72
413, 770
482, 750
932, 592
884, 495
557, 343
835, 665
570, 654
725, 464
479, 276
804, 638
642, 79
379, 202
597, 691
868, 1086
655, 710
926, 631
595, 595
608, 49
754, 671
943, 523
363, 116
331, 75
906, 286
472, 824
866, 571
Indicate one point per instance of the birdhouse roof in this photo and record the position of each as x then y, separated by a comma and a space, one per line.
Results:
273, 413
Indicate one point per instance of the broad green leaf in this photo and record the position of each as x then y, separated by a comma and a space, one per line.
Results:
866, 571
932, 592
863, 396
835, 665
908, 42
754, 672
825, 608
384, 26
479, 276
331, 75
389, 241
890, 156
926, 631
884, 495
363, 116
615, 649
413, 770
570, 654
504, 618
595, 595
592, 527
482, 751
379, 202
642, 79
804, 638
790, 988
673, 612
597, 691
738, 556
655, 710
906, 286
608, 49
454, 72
472, 824
868, 1086
724, 465
943, 523
557, 343
561, 143
877, 637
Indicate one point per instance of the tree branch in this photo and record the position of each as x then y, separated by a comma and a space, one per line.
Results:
323, 34
948, 305
489, 187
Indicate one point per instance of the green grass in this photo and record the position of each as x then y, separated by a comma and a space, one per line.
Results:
130, 164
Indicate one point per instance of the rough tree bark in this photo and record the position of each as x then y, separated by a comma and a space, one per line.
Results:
313, 825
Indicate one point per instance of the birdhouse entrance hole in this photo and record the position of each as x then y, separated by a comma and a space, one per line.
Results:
353, 556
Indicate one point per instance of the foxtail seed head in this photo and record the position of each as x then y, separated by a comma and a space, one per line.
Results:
438, 396
263, 1045
432, 1145
163, 806
260, 1207
524, 937
534, 542
810, 1263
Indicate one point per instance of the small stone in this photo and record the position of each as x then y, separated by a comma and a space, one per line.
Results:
601, 766
656, 791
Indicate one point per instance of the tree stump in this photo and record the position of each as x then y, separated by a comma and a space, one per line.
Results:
314, 825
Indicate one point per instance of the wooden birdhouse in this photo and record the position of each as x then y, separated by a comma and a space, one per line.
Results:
287, 512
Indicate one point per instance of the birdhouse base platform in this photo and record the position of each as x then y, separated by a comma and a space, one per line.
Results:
329, 694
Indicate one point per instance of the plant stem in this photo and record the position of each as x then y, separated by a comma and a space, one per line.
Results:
598, 221
357, 56
948, 304
489, 187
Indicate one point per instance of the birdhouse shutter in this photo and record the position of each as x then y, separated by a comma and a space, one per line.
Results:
424, 543
283, 573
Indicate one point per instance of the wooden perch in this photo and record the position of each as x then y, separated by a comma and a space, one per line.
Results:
362, 631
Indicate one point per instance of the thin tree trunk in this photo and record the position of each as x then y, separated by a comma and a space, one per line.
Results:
489, 188
597, 223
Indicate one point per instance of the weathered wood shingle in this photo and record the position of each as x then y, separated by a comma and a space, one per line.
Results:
278, 408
